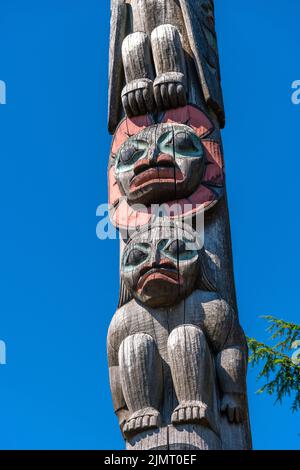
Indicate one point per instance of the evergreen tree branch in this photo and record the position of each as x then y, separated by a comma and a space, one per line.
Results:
280, 373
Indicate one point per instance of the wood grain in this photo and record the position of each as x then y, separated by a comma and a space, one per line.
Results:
177, 359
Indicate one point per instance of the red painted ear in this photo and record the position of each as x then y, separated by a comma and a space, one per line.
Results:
129, 127
191, 116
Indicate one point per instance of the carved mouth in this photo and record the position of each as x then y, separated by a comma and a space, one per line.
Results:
156, 175
165, 274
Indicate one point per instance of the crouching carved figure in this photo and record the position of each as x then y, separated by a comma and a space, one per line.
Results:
177, 353
161, 51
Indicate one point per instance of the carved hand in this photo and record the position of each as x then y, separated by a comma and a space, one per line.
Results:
170, 91
233, 405
137, 97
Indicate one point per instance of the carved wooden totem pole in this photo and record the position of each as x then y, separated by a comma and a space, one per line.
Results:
177, 354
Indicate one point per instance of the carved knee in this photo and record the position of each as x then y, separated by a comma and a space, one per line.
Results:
135, 345
185, 333
137, 95
193, 376
140, 371
169, 61
167, 49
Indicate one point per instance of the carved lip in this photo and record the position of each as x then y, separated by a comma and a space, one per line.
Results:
156, 175
160, 274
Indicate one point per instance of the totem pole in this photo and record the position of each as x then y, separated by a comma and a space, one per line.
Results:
177, 353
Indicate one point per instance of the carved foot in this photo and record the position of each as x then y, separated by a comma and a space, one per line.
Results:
142, 420
137, 97
193, 412
232, 406
169, 91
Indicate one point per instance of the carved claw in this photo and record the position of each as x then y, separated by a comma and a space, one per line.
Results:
232, 406
142, 420
188, 412
137, 98
169, 91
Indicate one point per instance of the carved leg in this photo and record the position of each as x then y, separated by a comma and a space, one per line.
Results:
193, 376
169, 60
137, 96
141, 379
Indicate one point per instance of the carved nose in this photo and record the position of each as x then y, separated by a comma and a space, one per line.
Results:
152, 156
154, 259
141, 165
145, 163
154, 159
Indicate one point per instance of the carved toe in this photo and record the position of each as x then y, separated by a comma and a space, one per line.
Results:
142, 420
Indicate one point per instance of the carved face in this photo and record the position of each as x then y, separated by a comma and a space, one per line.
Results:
161, 163
160, 266
183, 142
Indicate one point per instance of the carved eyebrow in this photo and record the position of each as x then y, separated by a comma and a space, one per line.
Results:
164, 135
135, 141
140, 246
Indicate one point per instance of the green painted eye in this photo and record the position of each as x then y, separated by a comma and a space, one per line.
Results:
184, 143
177, 250
181, 144
136, 256
188, 145
129, 154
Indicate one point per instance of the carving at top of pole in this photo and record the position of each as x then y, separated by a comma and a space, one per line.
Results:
156, 47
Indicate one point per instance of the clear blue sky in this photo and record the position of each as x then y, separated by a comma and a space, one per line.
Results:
59, 283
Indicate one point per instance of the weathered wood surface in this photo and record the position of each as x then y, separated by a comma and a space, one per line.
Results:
194, 20
177, 353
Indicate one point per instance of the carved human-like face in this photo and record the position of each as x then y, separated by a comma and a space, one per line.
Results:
161, 163
160, 266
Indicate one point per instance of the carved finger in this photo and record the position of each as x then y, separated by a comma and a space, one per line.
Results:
146, 422
189, 414
173, 95
126, 106
138, 422
131, 425
153, 421
230, 413
149, 99
196, 413
175, 417
165, 95
181, 414
158, 98
140, 102
125, 428
181, 95
133, 104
